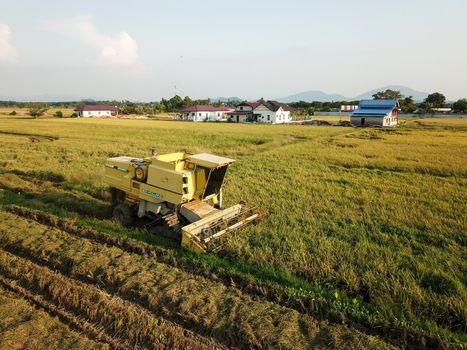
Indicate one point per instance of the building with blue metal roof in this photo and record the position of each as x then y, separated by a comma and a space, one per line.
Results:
376, 113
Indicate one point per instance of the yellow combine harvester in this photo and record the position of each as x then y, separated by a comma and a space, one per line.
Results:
180, 193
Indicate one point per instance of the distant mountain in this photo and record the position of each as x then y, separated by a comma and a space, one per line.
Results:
225, 99
313, 95
406, 91
45, 98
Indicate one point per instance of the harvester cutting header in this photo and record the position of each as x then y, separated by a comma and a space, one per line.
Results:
180, 193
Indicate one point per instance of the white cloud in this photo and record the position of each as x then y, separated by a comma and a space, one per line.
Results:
8, 52
120, 49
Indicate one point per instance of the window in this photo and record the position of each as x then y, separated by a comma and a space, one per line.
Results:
192, 114
200, 114
269, 117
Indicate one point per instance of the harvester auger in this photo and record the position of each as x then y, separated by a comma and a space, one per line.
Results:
180, 194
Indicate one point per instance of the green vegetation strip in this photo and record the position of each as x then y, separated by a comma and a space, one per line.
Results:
272, 284
114, 321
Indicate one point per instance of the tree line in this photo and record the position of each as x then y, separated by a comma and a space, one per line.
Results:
406, 103
176, 103
171, 105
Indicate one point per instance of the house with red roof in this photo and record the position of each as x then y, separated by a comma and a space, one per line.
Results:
199, 113
99, 111
269, 112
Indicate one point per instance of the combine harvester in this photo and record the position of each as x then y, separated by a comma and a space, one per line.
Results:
180, 193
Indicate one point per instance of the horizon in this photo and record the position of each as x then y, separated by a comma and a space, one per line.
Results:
156, 50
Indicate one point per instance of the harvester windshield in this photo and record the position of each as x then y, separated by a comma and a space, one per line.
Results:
215, 178
211, 172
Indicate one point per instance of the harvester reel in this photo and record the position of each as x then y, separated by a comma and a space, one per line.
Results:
168, 226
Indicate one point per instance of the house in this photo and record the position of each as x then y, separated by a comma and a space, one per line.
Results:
99, 111
442, 110
348, 108
376, 113
199, 113
270, 112
243, 112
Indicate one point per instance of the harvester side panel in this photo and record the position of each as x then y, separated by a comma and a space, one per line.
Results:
169, 180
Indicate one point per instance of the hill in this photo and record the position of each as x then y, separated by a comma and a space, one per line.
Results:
313, 95
225, 99
317, 95
406, 91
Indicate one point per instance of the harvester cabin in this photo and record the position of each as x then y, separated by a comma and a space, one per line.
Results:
382, 113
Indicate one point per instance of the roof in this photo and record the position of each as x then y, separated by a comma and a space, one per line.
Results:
375, 108
209, 160
96, 108
239, 112
374, 112
252, 104
205, 108
271, 105
274, 106
378, 104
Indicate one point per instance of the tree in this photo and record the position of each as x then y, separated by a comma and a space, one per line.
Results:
388, 95
187, 102
37, 109
435, 100
460, 106
176, 103
408, 105
58, 114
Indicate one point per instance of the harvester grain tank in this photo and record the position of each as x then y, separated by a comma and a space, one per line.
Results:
180, 194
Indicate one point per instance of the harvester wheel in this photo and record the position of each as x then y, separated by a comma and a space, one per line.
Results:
118, 196
124, 214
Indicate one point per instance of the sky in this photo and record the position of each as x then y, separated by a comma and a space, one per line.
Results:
145, 50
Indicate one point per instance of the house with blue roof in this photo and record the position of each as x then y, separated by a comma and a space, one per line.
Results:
381, 113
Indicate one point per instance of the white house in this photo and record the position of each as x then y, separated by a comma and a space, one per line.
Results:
376, 113
243, 113
348, 108
199, 113
270, 112
99, 111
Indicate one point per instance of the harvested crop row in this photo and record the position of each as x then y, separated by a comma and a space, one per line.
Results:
206, 307
312, 306
26, 327
114, 321
69, 318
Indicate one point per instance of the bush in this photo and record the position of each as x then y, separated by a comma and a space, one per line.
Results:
58, 114
13, 113
74, 115
37, 109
